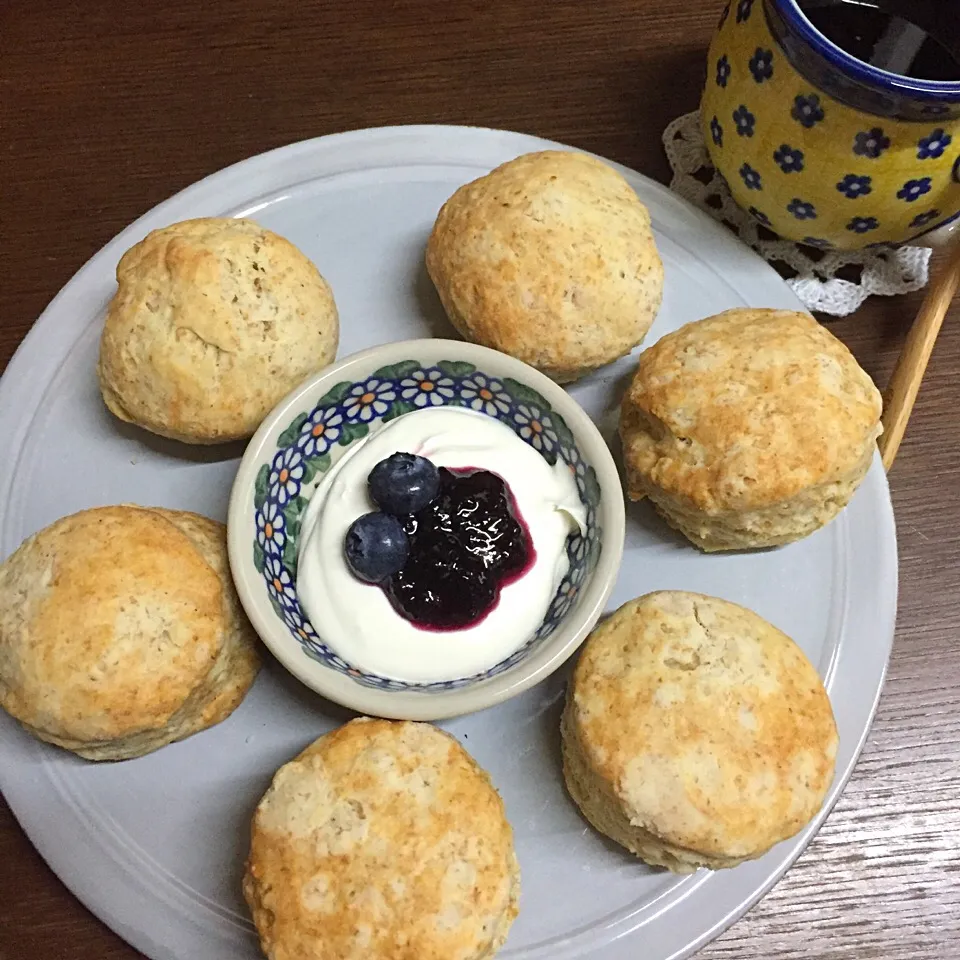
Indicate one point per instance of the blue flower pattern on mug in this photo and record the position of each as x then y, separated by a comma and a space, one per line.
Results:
863, 224
744, 8
303, 450
427, 388
320, 431
853, 186
485, 395
818, 242
932, 147
913, 190
759, 216
788, 159
723, 71
369, 399
807, 110
751, 177
744, 120
922, 219
761, 65
716, 132
724, 13
871, 144
801, 209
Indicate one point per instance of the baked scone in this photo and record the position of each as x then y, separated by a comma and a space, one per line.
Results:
549, 258
752, 428
121, 631
383, 840
213, 322
695, 733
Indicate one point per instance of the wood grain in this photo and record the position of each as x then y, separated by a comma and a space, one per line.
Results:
107, 108
901, 392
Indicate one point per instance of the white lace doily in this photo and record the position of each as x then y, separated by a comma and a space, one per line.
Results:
833, 281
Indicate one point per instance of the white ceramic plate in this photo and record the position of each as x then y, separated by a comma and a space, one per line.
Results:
155, 846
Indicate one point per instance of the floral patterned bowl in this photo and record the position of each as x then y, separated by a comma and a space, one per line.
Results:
313, 426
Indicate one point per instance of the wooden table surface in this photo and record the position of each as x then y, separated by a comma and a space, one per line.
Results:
107, 108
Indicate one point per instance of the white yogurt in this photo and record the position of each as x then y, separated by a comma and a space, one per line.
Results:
357, 620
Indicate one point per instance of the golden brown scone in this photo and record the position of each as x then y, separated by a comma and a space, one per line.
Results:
752, 428
213, 322
695, 733
549, 258
383, 840
121, 631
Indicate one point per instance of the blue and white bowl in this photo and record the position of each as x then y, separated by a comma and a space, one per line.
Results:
314, 425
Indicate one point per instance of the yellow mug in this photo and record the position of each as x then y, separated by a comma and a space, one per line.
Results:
823, 148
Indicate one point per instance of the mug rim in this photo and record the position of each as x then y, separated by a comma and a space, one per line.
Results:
796, 19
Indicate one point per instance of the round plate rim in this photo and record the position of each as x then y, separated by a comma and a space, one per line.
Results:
29, 358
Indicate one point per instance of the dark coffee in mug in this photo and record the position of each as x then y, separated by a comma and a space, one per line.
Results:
914, 38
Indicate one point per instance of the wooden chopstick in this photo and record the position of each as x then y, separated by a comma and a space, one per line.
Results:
901, 392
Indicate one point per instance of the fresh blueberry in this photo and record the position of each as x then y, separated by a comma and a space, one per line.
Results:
403, 483
376, 547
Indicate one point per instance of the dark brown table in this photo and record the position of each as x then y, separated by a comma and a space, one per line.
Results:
107, 108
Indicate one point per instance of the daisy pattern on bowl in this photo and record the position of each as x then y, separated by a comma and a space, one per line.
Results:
567, 593
485, 395
536, 427
320, 431
577, 574
295, 621
285, 475
427, 388
271, 534
577, 550
369, 399
932, 147
279, 583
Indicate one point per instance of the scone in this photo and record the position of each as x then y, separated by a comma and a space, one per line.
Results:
549, 258
382, 841
120, 631
695, 733
752, 428
213, 322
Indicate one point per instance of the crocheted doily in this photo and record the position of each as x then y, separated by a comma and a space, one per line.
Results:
835, 282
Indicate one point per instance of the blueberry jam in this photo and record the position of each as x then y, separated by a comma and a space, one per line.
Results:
465, 546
